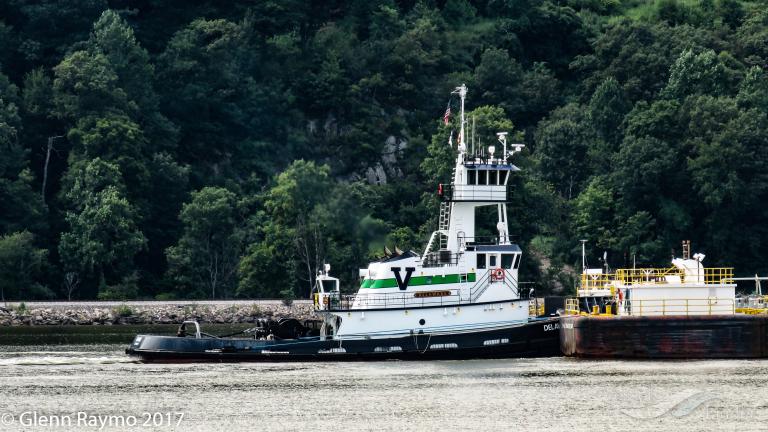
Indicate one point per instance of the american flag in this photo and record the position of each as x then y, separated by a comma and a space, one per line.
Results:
447, 115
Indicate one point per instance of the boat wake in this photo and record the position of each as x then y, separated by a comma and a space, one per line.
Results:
60, 358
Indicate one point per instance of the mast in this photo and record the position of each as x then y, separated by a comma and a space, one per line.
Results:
462, 92
476, 182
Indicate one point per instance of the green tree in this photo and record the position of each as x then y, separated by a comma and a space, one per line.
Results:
206, 258
21, 206
698, 73
294, 237
113, 38
227, 120
607, 109
117, 139
637, 54
753, 90
21, 267
103, 236
594, 214
499, 78
562, 144
86, 84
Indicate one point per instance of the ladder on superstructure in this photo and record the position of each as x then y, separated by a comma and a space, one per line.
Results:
444, 221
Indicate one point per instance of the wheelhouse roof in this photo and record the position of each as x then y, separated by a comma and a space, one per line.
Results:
495, 167
498, 248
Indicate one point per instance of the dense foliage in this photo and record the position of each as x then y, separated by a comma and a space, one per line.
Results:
167, 148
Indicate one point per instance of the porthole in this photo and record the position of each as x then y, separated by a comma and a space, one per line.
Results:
422, 322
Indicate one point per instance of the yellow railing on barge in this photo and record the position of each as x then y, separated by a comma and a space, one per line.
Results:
661, 307
652, 276
572, 306
676, 307
718, 275
536, 308
647, 276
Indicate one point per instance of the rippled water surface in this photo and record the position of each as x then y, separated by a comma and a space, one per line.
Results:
510, 395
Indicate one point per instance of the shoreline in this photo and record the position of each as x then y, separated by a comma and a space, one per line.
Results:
154, 312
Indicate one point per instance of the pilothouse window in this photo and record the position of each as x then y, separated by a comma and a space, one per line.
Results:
328, 285
492, 177
493, 260
482, 177
480, 261
507, 260
471, 177
502, 177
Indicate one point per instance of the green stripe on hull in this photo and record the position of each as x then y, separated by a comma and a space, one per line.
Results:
417, 281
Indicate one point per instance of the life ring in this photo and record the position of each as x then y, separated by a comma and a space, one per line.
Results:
498, 274
325, 301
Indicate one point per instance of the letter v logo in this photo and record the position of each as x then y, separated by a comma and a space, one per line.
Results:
403, 283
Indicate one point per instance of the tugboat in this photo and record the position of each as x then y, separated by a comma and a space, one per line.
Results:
458, 299
683, 311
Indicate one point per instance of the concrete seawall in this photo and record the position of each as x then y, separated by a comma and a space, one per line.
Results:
151, 312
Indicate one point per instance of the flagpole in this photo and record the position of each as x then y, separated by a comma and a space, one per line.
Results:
462, 91
473, 137
462, 94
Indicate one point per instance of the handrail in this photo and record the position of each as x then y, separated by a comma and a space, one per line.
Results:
679, 307
535, 309
652, 276
665, 307
511, 282
183, 325
492, 192
394, 300
646, 275
339, 302
718, 275
440, 258
572, 306
477, 290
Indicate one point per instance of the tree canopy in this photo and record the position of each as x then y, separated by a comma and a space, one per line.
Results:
230, 149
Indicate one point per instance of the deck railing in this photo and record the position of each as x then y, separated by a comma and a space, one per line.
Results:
571, 306
652, 276
395, 300
535, 308
492, 192
677, 307
646, 276
718, 275
661, 307
415, 299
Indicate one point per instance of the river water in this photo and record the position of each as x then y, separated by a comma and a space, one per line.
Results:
97, 387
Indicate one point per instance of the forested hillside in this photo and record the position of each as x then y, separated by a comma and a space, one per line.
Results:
197, 149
